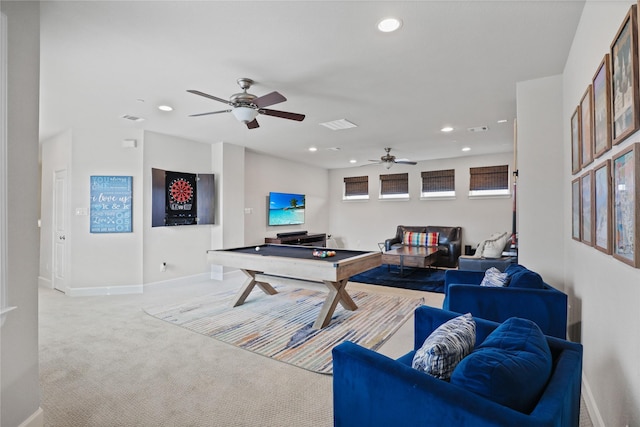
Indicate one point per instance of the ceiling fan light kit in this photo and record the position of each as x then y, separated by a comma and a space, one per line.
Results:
244, 114
246, 106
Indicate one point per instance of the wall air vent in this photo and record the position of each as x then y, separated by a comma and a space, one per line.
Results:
132, 118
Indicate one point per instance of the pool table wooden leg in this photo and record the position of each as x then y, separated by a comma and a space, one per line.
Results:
248, 285
337, 294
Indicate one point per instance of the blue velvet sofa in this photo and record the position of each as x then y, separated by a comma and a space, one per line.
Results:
529, 298
370, 389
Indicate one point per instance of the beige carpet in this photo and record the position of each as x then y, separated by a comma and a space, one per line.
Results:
281, 326
104, 362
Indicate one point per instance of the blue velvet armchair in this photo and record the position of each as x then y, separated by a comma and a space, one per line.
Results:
546, 305
370, 389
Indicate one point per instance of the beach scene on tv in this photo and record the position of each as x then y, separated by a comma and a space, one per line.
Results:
286, 208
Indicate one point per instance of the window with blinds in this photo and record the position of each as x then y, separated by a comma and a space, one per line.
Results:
356, 187
440, 183
489, 181
394, 186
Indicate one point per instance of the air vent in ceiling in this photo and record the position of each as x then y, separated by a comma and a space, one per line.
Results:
132, 118
340, 124
479, 129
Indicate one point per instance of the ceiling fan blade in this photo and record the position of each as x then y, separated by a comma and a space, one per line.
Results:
212, 112
269, 99
206, 95
406, 162
253, 124
282, 114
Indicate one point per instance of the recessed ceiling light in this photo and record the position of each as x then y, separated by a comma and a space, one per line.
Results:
466, 149
353, 161
389, 25
165, 108
502, 121
446, 129
313, 149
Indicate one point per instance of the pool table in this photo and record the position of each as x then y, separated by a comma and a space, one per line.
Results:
270, 263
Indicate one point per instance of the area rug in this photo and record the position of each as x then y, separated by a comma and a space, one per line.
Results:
420, 279
280, 326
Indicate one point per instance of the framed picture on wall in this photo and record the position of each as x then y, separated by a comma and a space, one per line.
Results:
625, 168
586, 128
586, 208
575, 209
602, 207
601, 109
576, 149
624, 78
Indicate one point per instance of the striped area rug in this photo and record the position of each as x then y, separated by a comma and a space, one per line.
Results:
280, 326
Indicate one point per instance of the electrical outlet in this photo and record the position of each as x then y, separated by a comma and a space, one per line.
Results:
163, 267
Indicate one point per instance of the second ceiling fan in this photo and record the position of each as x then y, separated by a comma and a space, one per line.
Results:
388, 160
246, 106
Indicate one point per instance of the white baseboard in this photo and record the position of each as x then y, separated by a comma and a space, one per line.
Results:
185, 280
592, 407
35, 420
43, 282
104, 290
138, 289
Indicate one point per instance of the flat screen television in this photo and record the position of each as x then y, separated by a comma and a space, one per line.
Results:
286, 208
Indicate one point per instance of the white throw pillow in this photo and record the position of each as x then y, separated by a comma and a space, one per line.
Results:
494, 247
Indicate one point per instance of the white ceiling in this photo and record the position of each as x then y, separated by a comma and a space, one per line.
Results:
451, 63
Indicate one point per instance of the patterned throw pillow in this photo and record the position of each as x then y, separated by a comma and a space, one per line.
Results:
494, 277
432, 239
412, 238
446, 347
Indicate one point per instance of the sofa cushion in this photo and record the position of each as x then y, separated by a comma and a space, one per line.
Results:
494, 277
522, 277
511, 367
446, 346
412, 238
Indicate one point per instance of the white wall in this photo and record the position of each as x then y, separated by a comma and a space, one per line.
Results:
19, 381
183, 248
540, 174
264, 174
607, 290
107, 260
364, 224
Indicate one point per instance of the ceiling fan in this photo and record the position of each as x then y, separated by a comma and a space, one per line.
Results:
247, 106
388, 160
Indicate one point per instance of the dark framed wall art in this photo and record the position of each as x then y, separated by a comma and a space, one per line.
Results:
586, 208
624, 78
625, 168
602, 207
586, 128
601, 84
575, 209
576, 149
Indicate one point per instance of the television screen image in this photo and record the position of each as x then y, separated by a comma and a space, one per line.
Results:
286, 208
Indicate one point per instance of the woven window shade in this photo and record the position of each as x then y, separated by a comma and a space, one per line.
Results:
442, 180
394, 183
356, 186
489, 178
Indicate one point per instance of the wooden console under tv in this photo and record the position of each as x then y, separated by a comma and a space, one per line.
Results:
304, 239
